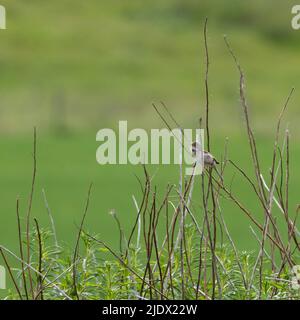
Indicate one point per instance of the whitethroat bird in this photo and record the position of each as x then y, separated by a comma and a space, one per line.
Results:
208, 159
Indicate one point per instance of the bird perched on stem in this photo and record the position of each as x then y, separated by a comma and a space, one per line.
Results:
208, 159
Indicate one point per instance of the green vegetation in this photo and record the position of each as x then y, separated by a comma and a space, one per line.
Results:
71, 71
171, 251
88, 65
105, 274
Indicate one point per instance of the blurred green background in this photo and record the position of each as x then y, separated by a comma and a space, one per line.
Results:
71, 68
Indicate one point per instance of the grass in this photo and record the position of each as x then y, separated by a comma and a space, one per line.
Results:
191, 259
116, 277
72, 71
58, 159
127, 270
96, 56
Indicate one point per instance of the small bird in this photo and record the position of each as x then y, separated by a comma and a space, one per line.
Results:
208, 159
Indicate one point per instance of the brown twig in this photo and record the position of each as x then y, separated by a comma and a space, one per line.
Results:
21, 249
78, 240
40, 269
11, 274
29, 211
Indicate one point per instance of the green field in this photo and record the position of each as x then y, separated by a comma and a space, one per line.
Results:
59, 160
72, 70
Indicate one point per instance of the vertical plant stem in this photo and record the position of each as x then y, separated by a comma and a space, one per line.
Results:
40, 269
21, 249
76, 250
29, 212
